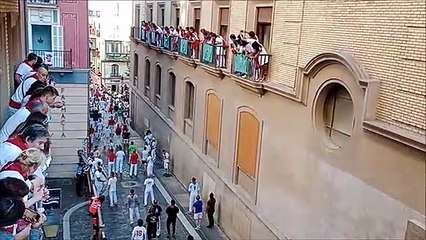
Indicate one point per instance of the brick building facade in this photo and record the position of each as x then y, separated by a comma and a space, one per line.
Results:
331, 145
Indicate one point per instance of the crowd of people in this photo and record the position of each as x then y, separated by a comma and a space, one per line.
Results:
24, 151
245, 44
109, 149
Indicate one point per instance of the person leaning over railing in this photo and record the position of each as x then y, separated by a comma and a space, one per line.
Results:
260, 61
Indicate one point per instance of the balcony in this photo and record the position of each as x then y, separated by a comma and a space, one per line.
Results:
56, 59
42, 2
250, 71
117, 57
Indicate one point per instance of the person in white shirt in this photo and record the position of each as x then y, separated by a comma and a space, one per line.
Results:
149, 189
145, 155
150, 166
194, 190
112, 189
25, 67
22, 90
139, 232
166, 161
100, 179
119, 160
96, 152
36, 108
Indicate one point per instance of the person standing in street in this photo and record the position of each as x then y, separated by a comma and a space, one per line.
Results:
198, 212
134, 158
79, 179
193, 189
133, 205
157, 208
150, 166
111, 161
100, 180
132, 147
149, 189
112, 189
172, 212
152, 222
119, 160
166, 161
145, 155
139, 232
210, 209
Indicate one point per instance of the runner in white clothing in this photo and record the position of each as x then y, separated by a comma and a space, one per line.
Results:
139, 232
149, 189
194, 190
119, 160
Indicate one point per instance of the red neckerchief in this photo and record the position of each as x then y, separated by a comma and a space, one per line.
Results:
17, 141
28, 63
15, 166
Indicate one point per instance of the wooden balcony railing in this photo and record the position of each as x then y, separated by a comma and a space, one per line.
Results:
56, 59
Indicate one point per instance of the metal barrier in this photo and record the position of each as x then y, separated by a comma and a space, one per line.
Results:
56, 59
213, 55
255, 69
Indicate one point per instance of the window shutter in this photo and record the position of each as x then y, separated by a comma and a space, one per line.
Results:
264, 14
213, 120
224, 16
248, 137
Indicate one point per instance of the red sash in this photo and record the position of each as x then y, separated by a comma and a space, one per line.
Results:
17, 167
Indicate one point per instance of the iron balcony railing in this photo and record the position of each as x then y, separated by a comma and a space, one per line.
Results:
252, 68
213, 55
43, 2
56, 59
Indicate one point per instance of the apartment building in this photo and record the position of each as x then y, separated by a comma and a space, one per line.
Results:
330, 145
12, 48
95, 40
115, 65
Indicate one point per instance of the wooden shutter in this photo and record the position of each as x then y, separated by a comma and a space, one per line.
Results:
264, 14
213, 120
224, 16
248, 138
9, 6
197, 13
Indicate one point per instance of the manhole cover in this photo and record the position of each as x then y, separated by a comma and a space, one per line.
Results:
130, 184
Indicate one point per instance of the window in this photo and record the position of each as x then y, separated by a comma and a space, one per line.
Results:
115, 70
263, 25
162, 15
338, 114
172, 87
247, 143
158, 80
117, 13
197, 19
212, 125
223, 21
150, 13
138, 15
135, 69
177, 17
147, 76
189, 101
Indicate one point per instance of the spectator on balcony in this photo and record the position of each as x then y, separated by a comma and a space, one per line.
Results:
194, 41
29, 83
25, 67
259, 60
37, 110
46, 94
221, 45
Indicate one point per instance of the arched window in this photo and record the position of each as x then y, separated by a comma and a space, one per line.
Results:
135, 69
115, 70
189, 101
212, 140
172, 87
147, 76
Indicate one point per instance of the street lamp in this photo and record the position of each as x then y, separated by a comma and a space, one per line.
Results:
51, 226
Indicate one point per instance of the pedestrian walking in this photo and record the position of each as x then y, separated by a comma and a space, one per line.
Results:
150, 166
119, 160
79, 179
134, 158
111, 161
198, 212
145, 155
100, 180
133, 205
194, 190
112, 190
139, 232
210, 209
157, 209
132, 147
172, 212
152, 221
149, 189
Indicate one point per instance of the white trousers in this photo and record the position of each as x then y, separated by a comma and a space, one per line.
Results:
111, 168
112, 198
191, 201
133, 169
119, 165
150, 169
133, 211
98, 186
148, 192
